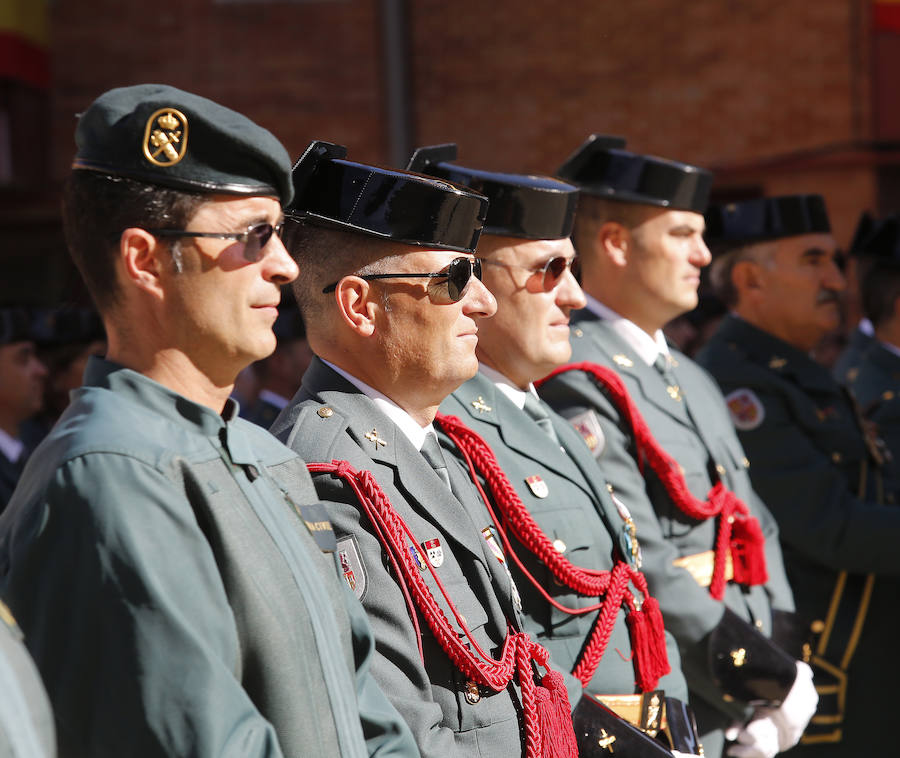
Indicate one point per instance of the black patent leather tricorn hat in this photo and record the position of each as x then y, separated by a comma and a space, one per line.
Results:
602, 167
520, 205
765, 218
384, 203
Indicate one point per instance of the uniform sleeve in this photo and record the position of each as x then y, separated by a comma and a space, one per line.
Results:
396, 665
387, 735
811, 498
126, 615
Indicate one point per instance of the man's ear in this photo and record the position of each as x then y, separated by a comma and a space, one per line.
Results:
357, 304
143, 258
615, 241
746, 276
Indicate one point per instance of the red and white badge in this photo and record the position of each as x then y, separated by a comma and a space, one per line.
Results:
435, 552
537, 486
747, 411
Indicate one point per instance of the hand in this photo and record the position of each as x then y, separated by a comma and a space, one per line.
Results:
758, 739
797, 709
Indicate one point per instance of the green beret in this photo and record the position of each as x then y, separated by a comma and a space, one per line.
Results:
161, 135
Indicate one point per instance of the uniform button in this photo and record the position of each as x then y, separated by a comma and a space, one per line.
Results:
746, 462
559, 546
577, 332
325, 412
818, 626
888, 395
836, 457
758, 623
720, 469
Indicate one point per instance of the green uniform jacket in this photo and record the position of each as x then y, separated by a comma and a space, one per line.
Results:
876, 385
574, 509
26, 721
329, 419
174, 601
808, 457
851, 357
705, 445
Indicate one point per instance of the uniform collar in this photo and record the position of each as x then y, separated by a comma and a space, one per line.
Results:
404, 422
890, 347
515, 394
10, 446
637, 339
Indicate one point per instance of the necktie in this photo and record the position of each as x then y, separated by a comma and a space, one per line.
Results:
536, 410
431, 452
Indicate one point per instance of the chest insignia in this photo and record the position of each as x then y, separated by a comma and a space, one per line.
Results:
537, 486
747, 411
777, 363
587, 424
435, 552
352, 567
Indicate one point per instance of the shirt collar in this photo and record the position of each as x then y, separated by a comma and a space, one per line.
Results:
637, 339
516, 395
891, 348
406, 423
865, 326
10, 446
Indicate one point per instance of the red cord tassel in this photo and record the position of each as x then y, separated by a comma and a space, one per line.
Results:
555, 718
748, 552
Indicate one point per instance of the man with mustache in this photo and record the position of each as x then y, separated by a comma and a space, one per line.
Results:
639, 234
818, 468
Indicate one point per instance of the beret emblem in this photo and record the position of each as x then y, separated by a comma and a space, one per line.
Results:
165, 137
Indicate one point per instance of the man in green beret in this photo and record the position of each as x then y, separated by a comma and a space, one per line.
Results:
169, 563
711, 552
820, 471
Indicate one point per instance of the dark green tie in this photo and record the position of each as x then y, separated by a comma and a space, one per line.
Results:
431, 452
535, 409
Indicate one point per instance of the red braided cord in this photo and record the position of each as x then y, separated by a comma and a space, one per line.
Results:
590, 582
518, 649
719, 501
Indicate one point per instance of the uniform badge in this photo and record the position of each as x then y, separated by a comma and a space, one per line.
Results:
537, 486
375, 439
479, 405
623, 360
747, 411
587, 424
435, 552
165, 137
352, 567
628, 541
416, 556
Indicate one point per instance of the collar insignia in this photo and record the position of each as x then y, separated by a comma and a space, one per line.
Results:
479, 405
623, 360
375, 439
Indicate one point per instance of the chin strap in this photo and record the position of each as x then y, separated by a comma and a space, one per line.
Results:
644, 619
738, 532
547, 713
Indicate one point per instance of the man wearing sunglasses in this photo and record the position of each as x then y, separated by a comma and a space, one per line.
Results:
819, 466
711, 550
169, 563
530, 266
393, 303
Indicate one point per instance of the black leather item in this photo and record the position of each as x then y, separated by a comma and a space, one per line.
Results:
681, 727
765, 218
600, 732
532, 207
791, 634
748, 666
384, 203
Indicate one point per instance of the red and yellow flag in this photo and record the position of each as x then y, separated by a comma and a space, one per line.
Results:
24, 44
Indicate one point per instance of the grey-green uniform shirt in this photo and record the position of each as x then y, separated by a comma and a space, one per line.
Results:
156, 555
563, 489
812, 465
692, 425
330, 419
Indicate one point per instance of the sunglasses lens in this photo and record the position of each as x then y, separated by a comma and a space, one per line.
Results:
257, 238
555, 270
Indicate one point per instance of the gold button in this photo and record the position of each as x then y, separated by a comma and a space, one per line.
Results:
577, 332
758, 623
818, 626
888, 395
836, 457
325, 412
559, 546
746, 462
720, 469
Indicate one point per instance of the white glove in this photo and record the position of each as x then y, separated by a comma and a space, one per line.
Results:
758, 739
679, 754
797, 709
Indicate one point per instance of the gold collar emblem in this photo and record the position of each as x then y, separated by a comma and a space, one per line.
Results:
623, 360
479, 405
375, 439
165, 137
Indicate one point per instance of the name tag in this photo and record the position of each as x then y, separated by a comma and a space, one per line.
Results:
317, 523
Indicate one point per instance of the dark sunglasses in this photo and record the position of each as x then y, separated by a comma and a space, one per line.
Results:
551, 272
456, 276
254, 239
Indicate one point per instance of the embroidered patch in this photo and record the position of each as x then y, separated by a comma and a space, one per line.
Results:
587, 424
747, 411
435, 552
352, 567
537, 486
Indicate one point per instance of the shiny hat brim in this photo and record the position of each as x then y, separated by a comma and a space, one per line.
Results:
764, 219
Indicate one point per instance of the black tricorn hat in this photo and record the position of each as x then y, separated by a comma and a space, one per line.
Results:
602, 167
15, 325
519, 205
384, 203
880, 240
766, 218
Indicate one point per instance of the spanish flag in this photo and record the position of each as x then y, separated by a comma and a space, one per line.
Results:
24, 45
886, 15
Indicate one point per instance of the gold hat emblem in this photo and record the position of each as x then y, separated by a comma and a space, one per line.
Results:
165, 137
